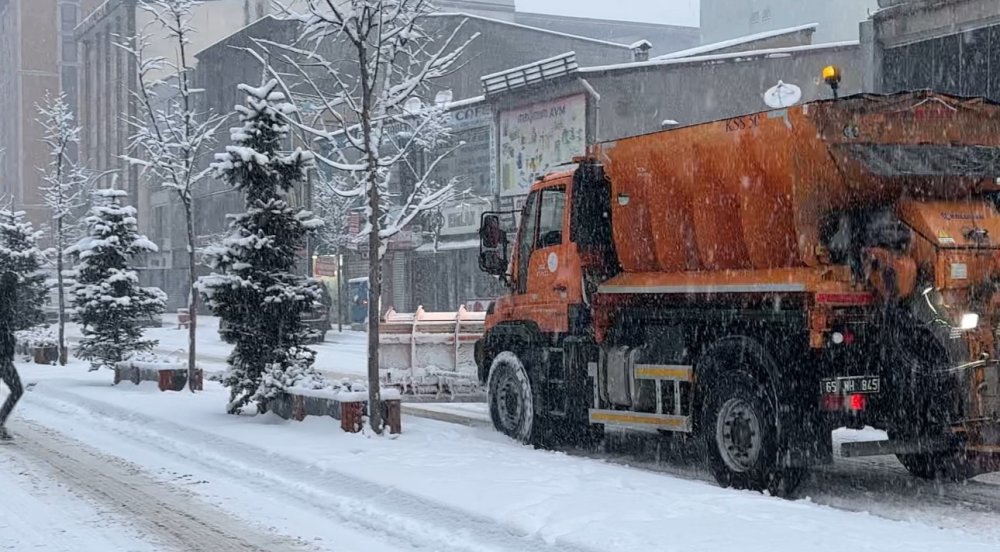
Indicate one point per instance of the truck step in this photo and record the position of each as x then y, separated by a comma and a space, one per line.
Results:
664, 372
640, 420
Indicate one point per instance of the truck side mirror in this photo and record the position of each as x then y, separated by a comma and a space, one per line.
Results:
492, 245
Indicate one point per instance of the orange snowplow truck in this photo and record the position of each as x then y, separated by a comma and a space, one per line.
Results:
754, 283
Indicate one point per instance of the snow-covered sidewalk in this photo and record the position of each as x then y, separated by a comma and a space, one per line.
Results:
343, 354
439, 486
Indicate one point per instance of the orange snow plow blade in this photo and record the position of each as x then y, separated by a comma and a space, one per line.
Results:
430, 355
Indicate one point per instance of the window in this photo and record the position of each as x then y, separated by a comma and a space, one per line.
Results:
69, 85
526, 239
755, 17
550, 222
68, 17
159, 222
766, 14
68, 49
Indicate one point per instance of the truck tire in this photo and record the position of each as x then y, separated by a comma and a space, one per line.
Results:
946, 466
511, 398
741, 436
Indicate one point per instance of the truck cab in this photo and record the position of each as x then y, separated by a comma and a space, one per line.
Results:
545, 264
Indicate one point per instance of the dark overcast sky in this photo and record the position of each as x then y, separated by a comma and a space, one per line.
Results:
676, 12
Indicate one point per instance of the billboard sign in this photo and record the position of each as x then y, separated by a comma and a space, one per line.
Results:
535, 138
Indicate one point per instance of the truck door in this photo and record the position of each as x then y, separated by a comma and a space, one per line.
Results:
549, 279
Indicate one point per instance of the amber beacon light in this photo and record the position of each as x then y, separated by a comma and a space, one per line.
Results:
831, 76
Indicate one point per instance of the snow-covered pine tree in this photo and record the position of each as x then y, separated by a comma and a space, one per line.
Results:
110, 305
20, 254
253, 287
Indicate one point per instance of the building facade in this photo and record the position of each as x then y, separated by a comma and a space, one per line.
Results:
38, 56
108, 79
837, 20
433, 262
596, 104
951, 47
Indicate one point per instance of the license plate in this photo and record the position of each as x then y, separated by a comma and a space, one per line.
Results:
853, 384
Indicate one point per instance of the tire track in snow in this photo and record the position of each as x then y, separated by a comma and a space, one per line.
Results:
355, 502
176, 521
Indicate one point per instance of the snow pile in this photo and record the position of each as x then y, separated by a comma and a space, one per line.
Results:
342, 390
38, 336
146, 360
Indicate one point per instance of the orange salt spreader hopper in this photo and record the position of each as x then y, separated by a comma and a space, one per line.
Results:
767, 191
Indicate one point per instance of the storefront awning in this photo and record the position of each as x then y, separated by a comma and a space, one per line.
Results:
450, 245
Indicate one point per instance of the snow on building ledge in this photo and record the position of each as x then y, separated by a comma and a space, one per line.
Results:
529, 27
740, 41
734, 57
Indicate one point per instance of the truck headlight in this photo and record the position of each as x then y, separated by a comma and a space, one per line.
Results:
969, 321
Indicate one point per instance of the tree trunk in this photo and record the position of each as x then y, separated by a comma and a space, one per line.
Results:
374, 241
340, 291
192, 300
374, 295
63, 353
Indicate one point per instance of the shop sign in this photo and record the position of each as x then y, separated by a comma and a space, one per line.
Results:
535, 138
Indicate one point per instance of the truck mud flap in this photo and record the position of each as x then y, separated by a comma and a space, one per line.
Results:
889, 447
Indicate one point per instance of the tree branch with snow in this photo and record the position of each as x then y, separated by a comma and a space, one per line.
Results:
368, 62
64, 190
170, 137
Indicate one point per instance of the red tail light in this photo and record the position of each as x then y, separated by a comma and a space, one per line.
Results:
856, 402
831, 402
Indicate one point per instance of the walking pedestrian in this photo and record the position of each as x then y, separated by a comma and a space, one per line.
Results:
8, 373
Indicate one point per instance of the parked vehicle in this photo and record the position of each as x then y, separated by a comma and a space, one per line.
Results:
756, 282
357, 292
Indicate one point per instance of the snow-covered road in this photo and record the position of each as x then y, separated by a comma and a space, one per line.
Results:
447, 487
164, 517
39, 512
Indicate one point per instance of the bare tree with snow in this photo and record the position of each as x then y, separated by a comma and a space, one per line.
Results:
64, 192
367, 63
170, 136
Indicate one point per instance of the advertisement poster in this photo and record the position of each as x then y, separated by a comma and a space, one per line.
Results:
538, 137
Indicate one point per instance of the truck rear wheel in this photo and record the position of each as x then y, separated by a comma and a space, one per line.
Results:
511, 398
739, 428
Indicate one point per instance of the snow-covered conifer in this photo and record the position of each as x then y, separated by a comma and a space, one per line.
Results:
110, 304
20, 254
253, 287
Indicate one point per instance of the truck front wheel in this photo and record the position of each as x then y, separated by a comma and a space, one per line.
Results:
511, 398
